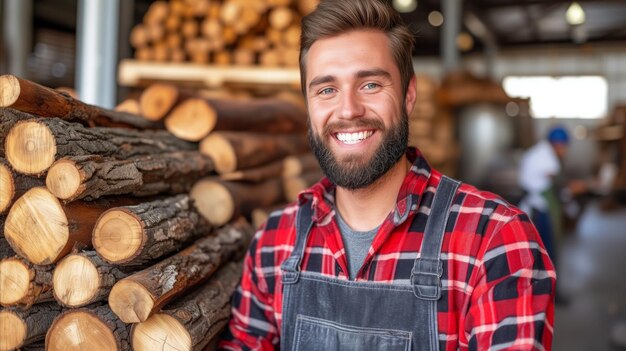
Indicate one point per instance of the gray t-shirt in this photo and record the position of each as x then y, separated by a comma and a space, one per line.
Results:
356, 243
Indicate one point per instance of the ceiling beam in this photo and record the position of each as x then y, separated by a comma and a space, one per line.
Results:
613, 33
540, 14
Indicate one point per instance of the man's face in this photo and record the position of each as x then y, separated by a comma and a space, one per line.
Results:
358, 124
560, 149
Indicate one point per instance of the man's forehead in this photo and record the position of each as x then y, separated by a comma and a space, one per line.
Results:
348, 54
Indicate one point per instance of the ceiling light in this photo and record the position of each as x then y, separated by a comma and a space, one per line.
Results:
435, 18
575, 14
405, 5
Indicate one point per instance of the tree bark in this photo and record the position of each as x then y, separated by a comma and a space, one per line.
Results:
23, 283
80, 279
14, 185
5, 248
221, 201
90, 177
33, 145
21, 327
290, 166
41, 229
266, 115
194, 116
138, 296
192, 321
88, 328
31, 97
233, 151
268, 171
136, 235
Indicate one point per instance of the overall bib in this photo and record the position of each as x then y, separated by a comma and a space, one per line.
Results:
324, 313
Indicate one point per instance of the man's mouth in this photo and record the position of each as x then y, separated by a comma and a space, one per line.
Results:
353, 138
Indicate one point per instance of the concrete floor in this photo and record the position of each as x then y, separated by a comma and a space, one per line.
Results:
592, 273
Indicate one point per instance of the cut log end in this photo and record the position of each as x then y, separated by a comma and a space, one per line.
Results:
37, 226
75, 281
192, 120
63, 179
10, 90
221, 151
14, 281
30, 147
293, 187
79, 330
213, 201
12, 331
129, 106
259, 216
157, 100
118, 236
292, 166
160, 332
131, 301
7, 187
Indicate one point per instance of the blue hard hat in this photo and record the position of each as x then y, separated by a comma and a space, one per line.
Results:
558, 135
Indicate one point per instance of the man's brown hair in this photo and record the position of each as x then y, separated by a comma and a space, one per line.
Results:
335, 17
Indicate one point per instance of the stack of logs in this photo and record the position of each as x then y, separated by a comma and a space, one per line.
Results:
242, 32
118, 234
431, 127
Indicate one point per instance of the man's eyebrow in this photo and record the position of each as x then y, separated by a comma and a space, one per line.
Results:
321, 80
373, 73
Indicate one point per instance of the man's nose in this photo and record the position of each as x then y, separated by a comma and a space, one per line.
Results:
351, 105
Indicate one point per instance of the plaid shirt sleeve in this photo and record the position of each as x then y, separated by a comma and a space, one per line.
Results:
252, 325
511, 303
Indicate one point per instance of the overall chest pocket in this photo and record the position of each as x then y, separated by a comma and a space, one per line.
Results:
319, 334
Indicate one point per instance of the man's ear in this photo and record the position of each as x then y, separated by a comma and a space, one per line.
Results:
411, 95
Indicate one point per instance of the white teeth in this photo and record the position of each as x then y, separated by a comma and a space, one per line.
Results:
353, 138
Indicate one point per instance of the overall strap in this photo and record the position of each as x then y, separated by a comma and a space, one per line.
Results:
428, 268
304, 222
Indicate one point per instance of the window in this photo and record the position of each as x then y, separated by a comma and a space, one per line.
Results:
561, 97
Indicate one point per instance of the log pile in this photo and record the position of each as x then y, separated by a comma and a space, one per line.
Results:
240, 32
431, 126
111, 234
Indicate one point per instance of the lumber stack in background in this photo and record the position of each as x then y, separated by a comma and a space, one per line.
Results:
431, 127
91, 207
228, 32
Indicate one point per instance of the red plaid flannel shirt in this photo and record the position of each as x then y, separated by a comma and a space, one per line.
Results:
498, 282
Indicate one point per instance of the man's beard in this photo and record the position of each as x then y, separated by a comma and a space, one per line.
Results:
356, 171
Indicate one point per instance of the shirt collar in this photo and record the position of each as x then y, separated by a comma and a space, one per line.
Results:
414, 184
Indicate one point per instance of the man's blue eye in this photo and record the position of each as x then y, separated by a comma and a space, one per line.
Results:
371, 85
326, 91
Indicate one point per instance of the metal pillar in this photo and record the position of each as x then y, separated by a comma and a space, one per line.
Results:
18, 29
451, 29
97, 51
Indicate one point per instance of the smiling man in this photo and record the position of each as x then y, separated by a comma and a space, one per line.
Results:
385, 253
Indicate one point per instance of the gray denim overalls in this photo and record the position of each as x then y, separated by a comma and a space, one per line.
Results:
322, 313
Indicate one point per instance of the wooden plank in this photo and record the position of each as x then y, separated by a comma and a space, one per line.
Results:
136, 73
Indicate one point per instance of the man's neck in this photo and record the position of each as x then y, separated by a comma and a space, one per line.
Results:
365, 209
